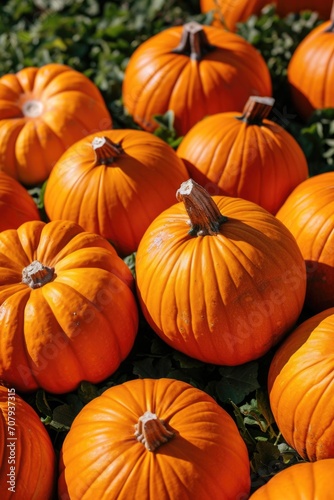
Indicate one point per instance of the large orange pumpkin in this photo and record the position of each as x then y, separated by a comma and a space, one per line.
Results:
227, 290
154, 439
16, 204
308, 213
194, 71
246, 155
303, 481
228, 13
67, 311
27, 457
114, 183
301, 387
43, 111
310, 71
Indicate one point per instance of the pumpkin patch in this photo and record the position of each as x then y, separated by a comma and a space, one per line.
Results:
165, 250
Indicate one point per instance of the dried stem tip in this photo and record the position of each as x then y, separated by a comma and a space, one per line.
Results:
36, 274
205, 217
151, 431
106, 151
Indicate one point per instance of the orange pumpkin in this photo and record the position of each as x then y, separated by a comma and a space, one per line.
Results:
43, 111
301, 385
154, 439
194, 71
245, 155
27, 458
115, 183
16, 204
227, 290
228, 13
67, 311
310, 71
308, 213
303, 481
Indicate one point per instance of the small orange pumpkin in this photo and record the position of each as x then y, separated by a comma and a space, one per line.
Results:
245, 155
301, 386
308, 213
194, 71
227, 290
114, 183
27, 457
154, 439
16, 204
67, 310
310, 71
306, 480
43, 111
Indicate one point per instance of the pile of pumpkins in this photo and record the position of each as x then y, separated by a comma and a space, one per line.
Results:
233, 241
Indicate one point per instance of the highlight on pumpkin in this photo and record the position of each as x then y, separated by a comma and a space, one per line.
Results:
213, 292
194, 71
245, 154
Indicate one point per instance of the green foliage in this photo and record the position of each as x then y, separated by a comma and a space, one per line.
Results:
98, 38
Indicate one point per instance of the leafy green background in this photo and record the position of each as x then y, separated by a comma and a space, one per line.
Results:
98, 38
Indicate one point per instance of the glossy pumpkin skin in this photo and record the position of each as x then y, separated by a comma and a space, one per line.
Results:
224, 298
31, 453
117, 200
228, 13
259, 162
310, 71
157, 79
78, 326
309, 214
16, 204
300, 385
102, 459
303, 481
43, 111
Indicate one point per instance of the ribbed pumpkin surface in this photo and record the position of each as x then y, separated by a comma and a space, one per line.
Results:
224, 298
308, 213
304, 481
27, 458
301, 385
193, 84
102, 459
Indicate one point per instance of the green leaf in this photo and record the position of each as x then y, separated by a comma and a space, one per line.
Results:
237, 382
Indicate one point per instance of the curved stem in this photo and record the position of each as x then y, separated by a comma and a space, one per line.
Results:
257, 109
106, 151
36, 274
151, 431
205, 217
194, 42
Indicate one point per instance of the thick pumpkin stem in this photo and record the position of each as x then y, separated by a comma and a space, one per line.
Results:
106, 151
151, 431
205, 217
257, 109
36, 275
194, 42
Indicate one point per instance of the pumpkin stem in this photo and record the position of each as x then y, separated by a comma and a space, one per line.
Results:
331, 17
106, 150
205, 217
32, 108
151, 431
36, 275
256, 109
194, 42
